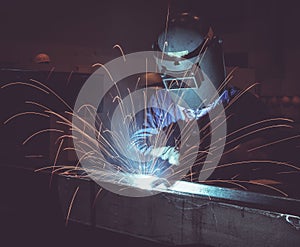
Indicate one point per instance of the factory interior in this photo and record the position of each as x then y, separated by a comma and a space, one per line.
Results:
49, 52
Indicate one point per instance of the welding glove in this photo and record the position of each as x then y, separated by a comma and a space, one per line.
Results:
166, 153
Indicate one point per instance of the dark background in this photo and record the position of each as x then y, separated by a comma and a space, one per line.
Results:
136, 21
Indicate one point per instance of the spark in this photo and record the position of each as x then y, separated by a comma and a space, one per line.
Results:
55, 161
59, 168
167, 20
256, 161
65, 120
96, 197
104, 67
233, 182
25, 113
166, 31
240, 94
34, 156
25, 84
69, 77
87, 106
37, 104
71, 205
287, 172
265, 185
272, 143
41, 131
121, 50
262, 183
202, 50
86, 155
266, 181
64, 136
58, 152
50, 73
226, 80
137, 83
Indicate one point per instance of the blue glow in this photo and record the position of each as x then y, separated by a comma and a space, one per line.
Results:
143, 181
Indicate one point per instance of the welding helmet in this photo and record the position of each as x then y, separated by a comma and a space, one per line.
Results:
188, 44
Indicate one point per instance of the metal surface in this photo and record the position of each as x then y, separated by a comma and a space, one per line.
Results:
187, 213
238, 197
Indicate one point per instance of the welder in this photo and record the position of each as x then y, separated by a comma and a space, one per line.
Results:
189, 44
